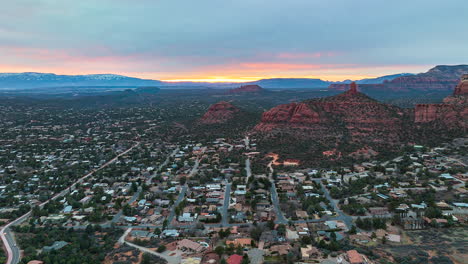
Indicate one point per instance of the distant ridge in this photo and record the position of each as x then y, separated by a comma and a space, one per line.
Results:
383, 78
29, 80
250, 88
441, 78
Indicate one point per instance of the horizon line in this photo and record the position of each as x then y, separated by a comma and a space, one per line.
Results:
222, 79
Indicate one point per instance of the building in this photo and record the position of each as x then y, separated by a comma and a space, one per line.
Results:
309, 252
354, 257
243, 242
186, 244
55, 246
235, 259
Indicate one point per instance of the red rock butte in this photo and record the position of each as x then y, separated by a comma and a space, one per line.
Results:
352, 113
218, 113
251, 88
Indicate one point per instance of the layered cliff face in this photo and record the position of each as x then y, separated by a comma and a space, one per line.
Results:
452, 114
439, 79
219, 113
462, 87
347, 118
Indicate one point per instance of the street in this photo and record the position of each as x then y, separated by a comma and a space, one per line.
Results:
9, 242
224, 211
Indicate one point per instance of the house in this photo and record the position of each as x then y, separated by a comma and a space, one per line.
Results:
186, 217
191, 260
68, 209
241, 190
186, 244
55, 246
383, 196
142, 234
213, 187
354, 257
130, 219
235, 259
280, 249
378, 211
170, 233
331, 224
243, 242
301, 214
309, 252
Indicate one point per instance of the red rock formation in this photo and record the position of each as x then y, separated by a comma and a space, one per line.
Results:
353, 88
351, 114
346, 122
294, 114
462, 87
439, 78
452, 114
219, 113
247, 89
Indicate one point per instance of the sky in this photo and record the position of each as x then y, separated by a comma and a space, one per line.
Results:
232, 40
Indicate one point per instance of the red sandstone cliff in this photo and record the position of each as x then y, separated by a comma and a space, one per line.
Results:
451, 114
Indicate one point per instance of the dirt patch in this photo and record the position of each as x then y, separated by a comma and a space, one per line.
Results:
433, 245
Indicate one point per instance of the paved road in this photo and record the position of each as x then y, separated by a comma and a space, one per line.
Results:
227, 200
117, 216
456, 160
13, 251
348, 220
150, 179
248, 170
169, 259
274, 199
125, 234
135, 196
280, 219
180, 198
231, 147
247, 142
14, 248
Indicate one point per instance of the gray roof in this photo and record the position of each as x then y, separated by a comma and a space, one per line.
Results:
55, 246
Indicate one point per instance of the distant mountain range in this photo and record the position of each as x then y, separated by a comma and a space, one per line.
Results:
382, 78
441, 78
30, 80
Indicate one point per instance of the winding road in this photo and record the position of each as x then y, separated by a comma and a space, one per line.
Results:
12, 249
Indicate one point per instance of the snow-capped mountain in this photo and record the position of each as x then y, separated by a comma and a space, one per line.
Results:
28, 80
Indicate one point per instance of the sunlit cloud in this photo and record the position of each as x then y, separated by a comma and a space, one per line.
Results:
210, 40
292, 55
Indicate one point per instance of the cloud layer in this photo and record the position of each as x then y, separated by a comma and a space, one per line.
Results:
186, 39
